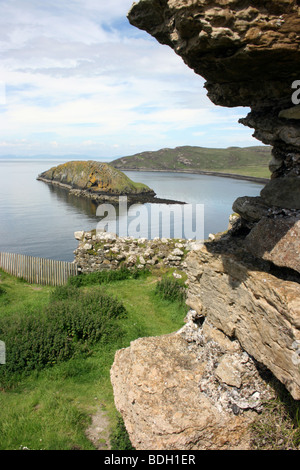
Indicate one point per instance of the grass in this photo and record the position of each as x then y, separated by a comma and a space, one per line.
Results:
278, 427
248, 161
256, 172
51, 408
20, 296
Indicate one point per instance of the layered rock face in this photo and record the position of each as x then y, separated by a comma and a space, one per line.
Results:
244, 287
250, 301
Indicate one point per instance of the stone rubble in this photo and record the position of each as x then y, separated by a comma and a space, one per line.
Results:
101, 250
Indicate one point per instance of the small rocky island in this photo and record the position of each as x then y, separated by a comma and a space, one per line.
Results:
99, 182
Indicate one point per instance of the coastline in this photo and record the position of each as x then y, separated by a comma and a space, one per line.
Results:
255, 179
142, 198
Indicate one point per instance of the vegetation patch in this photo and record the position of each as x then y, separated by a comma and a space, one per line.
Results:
2, 291
71, 322
119, 437
248, 161
51, 406
106, 277
278, 426
171, 289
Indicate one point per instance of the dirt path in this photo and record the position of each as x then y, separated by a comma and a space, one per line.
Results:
98, 431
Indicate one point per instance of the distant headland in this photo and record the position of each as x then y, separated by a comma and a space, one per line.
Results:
248, 163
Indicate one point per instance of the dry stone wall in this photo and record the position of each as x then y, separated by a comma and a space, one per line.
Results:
98, 250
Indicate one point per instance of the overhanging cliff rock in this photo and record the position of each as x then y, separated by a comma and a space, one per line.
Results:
249, 54
244, 286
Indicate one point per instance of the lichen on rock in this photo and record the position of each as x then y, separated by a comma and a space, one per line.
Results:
173, 391
92, 179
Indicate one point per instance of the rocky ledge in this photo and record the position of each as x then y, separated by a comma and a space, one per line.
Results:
99, 182
192, 390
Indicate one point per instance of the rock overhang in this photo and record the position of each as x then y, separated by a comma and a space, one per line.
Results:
247, 51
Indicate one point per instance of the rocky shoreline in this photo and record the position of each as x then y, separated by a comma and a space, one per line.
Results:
101, 197
255, 179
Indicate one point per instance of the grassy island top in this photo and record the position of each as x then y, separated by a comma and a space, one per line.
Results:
94, 177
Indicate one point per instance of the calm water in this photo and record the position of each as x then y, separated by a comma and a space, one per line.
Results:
40, 220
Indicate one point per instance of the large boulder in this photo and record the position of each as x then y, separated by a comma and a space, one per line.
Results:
282, 192
193, 390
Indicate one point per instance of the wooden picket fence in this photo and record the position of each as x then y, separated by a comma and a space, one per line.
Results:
38, 270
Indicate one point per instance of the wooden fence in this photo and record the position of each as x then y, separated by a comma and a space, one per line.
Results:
38, 270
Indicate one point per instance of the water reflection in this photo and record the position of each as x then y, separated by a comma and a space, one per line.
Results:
39, 219
84, 205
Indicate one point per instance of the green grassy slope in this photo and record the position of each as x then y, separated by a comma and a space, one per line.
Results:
94, 176
50, 408
248, 161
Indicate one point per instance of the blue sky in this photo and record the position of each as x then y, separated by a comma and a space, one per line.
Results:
77, 79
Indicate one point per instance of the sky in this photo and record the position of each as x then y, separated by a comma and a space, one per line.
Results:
77, 79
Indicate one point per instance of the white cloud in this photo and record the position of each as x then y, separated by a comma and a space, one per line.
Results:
79, 78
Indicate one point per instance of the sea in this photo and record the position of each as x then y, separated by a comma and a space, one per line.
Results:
39, 219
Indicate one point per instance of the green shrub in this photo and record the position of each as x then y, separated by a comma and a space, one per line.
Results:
104, 277
32, 344
64, 293
86, 316
119, 439
171, 289
71, 322
2, 291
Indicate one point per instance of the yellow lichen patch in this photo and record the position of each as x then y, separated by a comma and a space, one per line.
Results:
92, 178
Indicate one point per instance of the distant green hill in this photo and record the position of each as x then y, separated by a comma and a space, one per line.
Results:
247, 161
